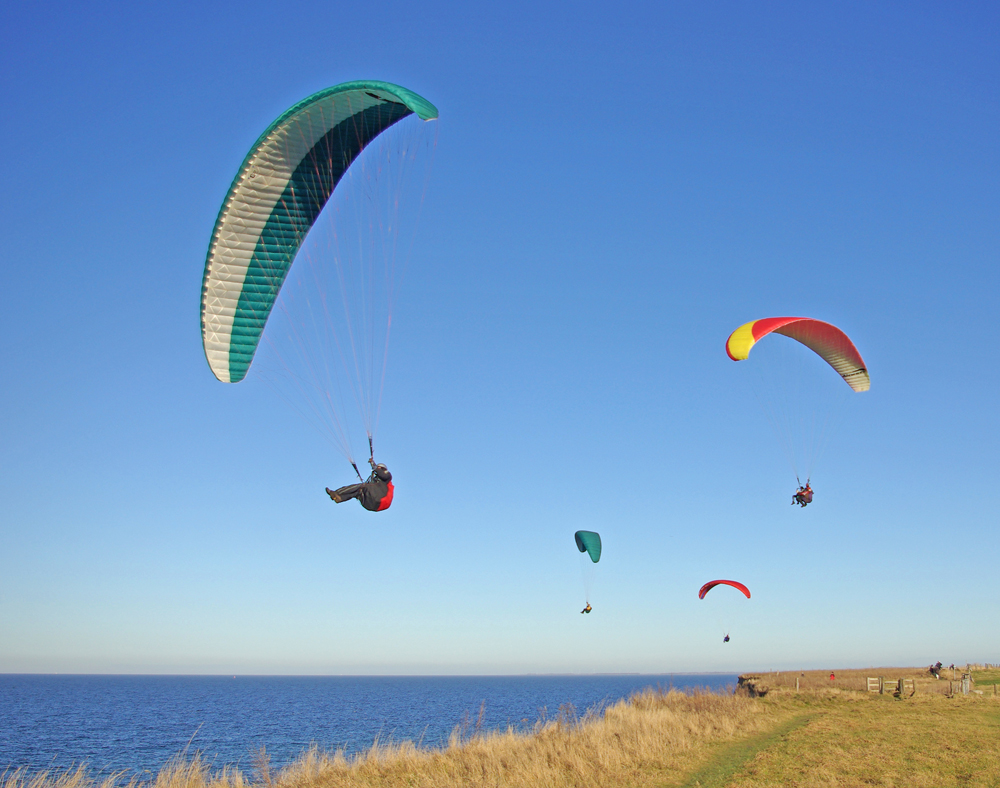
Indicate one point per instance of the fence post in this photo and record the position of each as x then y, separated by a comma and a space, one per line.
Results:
797, 686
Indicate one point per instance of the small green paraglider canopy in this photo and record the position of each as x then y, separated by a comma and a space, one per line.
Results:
589, 542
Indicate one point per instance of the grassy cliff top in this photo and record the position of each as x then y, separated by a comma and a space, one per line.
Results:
825, 733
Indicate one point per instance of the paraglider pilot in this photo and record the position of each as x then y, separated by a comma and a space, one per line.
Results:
725, 639
803, 496
587, 609
375, 494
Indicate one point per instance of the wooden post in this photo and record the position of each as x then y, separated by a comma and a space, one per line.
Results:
797, 686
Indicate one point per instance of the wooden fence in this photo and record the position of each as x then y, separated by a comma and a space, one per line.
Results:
904, 688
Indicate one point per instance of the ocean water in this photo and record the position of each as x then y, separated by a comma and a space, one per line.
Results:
135, 724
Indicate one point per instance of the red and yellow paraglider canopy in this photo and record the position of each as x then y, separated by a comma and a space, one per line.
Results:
826, 340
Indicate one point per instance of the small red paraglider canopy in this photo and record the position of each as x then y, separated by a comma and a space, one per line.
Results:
712, 584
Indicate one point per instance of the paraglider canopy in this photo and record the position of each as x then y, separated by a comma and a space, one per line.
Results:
827, 341
589, 542
279, 191
712, 584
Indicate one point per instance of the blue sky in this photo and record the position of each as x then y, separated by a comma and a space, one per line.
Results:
615, 188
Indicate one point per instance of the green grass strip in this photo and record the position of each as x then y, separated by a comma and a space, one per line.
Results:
726, 763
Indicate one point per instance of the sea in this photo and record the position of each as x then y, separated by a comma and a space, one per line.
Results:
134, 725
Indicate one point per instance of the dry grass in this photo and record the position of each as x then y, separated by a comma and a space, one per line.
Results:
927, 741
179, 773
652, 737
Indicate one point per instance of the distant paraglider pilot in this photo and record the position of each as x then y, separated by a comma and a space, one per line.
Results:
375, 494
803, 496
587, 609
725, 639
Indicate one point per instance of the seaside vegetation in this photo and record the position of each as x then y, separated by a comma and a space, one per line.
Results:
789, 728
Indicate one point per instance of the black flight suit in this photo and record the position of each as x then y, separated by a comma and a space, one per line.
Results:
375, 494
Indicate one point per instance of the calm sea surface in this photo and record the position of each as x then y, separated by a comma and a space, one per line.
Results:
135, 724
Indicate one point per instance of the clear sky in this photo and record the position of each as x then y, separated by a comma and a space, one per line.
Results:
615, 188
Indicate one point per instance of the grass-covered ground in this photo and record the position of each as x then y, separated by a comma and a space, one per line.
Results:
986, 677
845, 736
825, 733
925, 741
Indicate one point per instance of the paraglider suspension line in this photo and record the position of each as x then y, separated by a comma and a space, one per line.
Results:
355, 466
371, 449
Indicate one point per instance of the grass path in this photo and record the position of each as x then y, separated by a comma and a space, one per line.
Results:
731, 758
928, 742
853, 739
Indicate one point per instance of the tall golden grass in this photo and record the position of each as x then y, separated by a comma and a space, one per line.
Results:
651, 737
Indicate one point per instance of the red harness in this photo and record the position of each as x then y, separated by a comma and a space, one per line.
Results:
386, 502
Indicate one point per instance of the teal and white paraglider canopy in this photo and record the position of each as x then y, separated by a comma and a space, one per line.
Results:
279, 190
